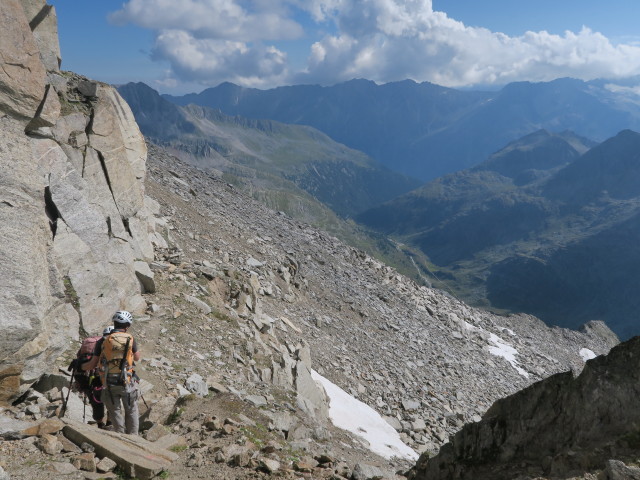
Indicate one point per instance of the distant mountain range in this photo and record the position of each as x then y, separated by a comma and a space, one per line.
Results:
288, 166
549, 225
425, 130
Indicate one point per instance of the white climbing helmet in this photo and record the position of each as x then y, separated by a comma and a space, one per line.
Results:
122, 316
107, 330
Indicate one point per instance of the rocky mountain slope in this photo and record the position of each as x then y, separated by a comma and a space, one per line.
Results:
424, 130
560, 427
544, 226
254, 302
247, 301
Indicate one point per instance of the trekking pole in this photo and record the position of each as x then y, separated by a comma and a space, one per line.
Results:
145, 402
66, 401
84, 407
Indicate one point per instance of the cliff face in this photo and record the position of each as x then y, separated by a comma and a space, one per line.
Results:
557, 427
72, 205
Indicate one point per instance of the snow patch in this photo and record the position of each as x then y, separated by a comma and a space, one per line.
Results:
587, 354
506, 351
360, 419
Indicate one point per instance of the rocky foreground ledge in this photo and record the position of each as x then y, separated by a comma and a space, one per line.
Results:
560, 427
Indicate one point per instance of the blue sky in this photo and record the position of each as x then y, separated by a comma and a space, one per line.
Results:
180, 46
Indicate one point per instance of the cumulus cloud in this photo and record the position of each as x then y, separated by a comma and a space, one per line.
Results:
212, 61
387, 40
210, 41
212, 19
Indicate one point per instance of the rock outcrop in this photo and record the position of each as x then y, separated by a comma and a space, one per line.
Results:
72, 205
559, 427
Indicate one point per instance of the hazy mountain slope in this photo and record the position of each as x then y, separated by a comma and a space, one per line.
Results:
535, 155
612, 170
591, 278
523, 107
556, 241
344, 179
443, 200
425, 130
381, 120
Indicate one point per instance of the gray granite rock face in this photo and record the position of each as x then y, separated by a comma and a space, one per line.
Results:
22, 76
72, 206
44, 25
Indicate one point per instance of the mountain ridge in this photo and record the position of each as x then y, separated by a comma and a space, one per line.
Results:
350, 181
425, 130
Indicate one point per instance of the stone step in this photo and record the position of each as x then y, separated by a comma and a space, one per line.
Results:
136, 456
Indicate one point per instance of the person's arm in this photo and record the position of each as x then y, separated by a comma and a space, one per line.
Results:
91, 364
135, 351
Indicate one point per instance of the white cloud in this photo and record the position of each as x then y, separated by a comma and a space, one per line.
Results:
387, 40
212, 19
212, 61
629, 90
383, 40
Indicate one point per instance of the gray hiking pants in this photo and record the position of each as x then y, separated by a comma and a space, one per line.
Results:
117, 399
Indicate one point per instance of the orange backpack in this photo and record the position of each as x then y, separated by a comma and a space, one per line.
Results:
116, 359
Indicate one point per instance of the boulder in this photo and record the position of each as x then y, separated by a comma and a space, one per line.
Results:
269, 465
43, 21
75, 407
155, 433
134, 455
363, 471
45, 427
206, 309
49, 444
85, 461
22, 76
145, 277
105, 465
158, 413
311, 397
12, 429
115, 134
196, 384
61, 468
617, 470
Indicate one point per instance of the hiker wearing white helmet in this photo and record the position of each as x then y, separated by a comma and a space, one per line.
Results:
114, 356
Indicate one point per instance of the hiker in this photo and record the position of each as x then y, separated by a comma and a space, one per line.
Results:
114, 355
88, 382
